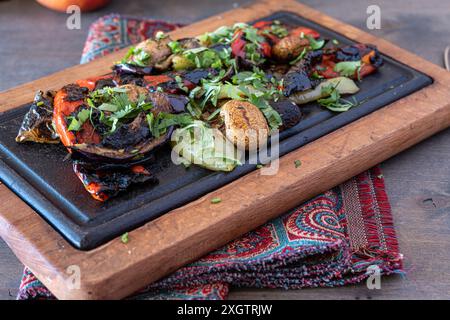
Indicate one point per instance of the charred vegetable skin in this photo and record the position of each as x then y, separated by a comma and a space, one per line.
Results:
104, 184
37, 124
129, 141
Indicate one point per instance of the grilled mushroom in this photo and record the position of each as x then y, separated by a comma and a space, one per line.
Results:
289, 48
245, 124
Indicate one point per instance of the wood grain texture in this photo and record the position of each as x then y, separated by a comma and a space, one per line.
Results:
185, 234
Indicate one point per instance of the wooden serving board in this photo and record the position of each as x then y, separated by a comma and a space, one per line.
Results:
161, 246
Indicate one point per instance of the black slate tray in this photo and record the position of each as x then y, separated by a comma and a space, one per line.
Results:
38, 174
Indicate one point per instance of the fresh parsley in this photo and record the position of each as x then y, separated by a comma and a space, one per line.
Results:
137, 56
175, 47
315, 44
159, 124
77, 121
216, 200
124, 238
348, 68
299, 57
334, 102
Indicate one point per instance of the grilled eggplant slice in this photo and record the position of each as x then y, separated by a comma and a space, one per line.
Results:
104, 153
289, 112
130, 141
37, 124
298, 77
104, 184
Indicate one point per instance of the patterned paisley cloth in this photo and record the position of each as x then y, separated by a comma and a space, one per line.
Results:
337, 238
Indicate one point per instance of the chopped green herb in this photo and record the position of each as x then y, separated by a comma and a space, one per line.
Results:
160, 35
348, 68
297, 163
259, 166
300, 57
334, 101
76, 122
216, 200
114, 106
213, 115
272, 116
315, 44
137, 56
175, 46
279, 31
124, 238
158, 125
39, 103
181, 84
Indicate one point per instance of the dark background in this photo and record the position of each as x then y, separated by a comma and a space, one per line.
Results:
35, 42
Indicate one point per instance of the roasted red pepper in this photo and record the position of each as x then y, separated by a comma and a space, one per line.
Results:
64, 107
238, 44
156, 80
326, 67
305, 31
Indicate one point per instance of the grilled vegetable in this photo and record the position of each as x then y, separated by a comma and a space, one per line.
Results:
201, 145
37, 124
342, 85
181, 62
245, 124
298, 77
289, 48
245, 80
289, 112
149, 53
105, 184
111, 124
117, 148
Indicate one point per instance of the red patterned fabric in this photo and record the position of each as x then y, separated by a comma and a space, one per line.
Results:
332, 240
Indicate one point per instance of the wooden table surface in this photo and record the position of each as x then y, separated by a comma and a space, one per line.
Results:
418, 180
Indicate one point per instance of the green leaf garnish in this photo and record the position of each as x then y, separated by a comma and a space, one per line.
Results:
348, 68
334, 102
124, 238
137, 56
315, 44
175, 46
299, 57
77, 121
159, 124
216, 200
160, 35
